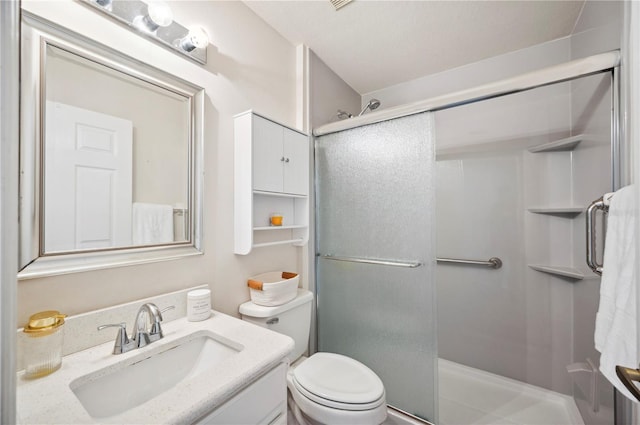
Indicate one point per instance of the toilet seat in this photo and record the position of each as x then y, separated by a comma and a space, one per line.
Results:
338, 382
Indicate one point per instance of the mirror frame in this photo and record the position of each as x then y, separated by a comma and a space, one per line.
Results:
37, 34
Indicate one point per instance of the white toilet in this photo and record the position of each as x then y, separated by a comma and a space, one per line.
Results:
325, 388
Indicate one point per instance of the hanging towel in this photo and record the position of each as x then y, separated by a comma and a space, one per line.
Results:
615, 334
152, 223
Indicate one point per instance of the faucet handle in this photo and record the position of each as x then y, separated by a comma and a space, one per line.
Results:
122, 339
156, 329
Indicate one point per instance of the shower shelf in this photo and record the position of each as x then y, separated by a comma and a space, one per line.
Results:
567, 144
563, 271
568, 211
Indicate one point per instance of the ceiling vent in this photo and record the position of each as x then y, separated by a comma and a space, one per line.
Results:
339, 3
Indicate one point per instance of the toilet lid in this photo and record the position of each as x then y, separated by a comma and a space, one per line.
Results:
337, 379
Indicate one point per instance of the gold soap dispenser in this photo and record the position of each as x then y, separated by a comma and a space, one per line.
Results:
43, 345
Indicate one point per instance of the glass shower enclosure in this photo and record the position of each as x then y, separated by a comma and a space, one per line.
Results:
511, 178
375, 272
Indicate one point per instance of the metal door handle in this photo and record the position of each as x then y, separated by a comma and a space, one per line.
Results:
602, 204
627, 376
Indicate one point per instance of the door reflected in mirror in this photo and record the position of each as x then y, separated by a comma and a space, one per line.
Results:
116, 158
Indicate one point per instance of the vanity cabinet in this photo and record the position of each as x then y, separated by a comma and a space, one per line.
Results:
271, 176
262, 402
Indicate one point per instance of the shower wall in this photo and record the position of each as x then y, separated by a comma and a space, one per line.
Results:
553, 315
496, 196
515, 321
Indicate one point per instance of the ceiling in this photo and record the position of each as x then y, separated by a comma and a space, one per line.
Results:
374, 44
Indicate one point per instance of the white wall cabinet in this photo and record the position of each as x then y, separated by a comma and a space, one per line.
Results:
280, 158
271, 176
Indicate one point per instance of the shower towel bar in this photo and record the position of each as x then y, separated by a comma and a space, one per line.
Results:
493, 262
601, 204
394, 263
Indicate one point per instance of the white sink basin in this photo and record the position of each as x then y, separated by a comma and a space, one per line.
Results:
113, 390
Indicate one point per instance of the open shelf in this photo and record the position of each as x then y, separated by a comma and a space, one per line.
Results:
278, 194
282, 242
568, 211
569, 272
295, 226
567, 144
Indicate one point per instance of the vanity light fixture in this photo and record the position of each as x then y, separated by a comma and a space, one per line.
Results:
154, 20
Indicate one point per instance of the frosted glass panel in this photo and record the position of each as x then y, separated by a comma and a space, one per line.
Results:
375, 197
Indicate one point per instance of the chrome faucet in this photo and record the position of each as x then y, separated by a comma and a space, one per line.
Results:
146, 329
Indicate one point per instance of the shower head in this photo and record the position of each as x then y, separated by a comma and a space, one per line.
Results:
342, 115
373, 104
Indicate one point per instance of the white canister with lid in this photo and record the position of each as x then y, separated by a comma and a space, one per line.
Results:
198, 305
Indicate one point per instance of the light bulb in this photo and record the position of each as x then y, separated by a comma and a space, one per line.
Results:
197, 38
160, 13
107, 4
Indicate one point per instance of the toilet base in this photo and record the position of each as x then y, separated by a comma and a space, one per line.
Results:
294, 414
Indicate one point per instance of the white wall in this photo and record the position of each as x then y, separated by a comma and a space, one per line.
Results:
329, 93
249, 66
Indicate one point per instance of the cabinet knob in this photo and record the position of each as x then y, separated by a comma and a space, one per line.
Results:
286, 160
282, 159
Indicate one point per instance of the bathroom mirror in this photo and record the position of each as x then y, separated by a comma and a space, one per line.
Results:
110, 157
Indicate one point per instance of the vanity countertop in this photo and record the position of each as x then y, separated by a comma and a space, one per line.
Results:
50, 400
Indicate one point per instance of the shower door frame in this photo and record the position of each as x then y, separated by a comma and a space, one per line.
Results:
620, 162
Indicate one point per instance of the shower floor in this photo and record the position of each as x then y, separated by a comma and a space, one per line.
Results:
469, 396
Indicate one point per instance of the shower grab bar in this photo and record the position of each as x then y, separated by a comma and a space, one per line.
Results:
394, 263
493, 262
601, 204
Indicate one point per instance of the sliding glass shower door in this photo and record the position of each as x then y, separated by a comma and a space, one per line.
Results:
375, 272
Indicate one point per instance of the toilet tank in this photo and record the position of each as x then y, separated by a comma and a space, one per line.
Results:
292, 319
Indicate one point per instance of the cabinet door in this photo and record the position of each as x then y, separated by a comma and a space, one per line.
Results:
296, 165
267, 155
263, 402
